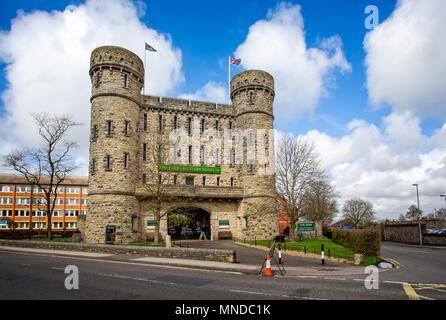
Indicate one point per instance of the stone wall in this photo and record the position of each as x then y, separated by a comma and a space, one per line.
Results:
409, 233
178, 253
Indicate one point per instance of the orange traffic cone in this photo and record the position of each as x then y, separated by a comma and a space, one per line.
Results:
268, 267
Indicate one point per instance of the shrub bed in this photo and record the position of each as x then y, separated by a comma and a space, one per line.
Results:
366, 242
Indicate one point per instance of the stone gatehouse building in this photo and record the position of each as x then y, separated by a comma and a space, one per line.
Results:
216, 160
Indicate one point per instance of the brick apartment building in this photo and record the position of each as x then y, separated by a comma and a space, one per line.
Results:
21, 206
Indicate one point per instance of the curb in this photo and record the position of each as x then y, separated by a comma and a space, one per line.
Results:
393, 262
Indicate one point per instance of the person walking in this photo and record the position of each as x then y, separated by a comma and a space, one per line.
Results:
203, 232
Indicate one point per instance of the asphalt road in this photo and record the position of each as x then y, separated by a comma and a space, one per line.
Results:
418, 264
30, 276
36, 276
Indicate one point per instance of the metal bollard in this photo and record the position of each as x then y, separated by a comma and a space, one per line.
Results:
322, 254
305, 249
280, 255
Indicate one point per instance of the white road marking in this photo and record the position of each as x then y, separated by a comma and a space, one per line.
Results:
58, 268
274, 295
328, 278
137, 279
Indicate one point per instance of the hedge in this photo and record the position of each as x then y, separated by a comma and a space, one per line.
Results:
366, 242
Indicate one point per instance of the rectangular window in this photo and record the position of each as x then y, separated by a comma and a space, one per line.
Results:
217, 128
84, 202
126, 128
203, 154
23, 189
6, 189
71, 213
6, 213
22, 225
84, 190
218, 181
93, 166
126, 160
83, 212
232, 181
21, 213
144, 151
204, 180
189, 181
109, 128
125, 80
73, 190
189, 126
108, 162
174, 122
144, 178
160, 123
134, 224
22, 201
175, 178
6, 201
56, 225
38, 190
72, 202
145, 122
94, 133
202, 126
190, 154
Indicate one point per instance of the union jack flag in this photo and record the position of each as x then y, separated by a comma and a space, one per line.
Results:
236, 61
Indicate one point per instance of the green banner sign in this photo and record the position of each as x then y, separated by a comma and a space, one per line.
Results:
190, 169
223, 222
151, 223
305, 226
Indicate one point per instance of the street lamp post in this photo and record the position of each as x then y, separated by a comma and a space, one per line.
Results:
419, 221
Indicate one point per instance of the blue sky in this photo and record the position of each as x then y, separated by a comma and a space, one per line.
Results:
373, 102
208, 31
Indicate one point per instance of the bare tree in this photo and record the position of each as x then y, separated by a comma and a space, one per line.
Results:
297, 165
413, 213
359, 212
48, 165
320, 201
157, 183
441, 214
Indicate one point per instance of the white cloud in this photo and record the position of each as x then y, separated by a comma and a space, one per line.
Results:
278, 46
382, 164
47, 56
406, 60
211, 92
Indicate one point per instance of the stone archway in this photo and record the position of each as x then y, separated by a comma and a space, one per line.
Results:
188, 222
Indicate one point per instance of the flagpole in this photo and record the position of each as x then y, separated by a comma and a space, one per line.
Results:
229, 79
145, 64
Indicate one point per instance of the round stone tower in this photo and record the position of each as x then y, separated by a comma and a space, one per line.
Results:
117, 77
252, 94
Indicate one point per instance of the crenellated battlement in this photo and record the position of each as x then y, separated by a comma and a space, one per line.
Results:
184, 105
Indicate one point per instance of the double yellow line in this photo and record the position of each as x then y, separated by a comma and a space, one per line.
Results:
410, 290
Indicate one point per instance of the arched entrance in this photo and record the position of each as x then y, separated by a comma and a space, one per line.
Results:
187, 223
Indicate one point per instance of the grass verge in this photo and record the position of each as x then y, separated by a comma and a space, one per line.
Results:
314, 246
